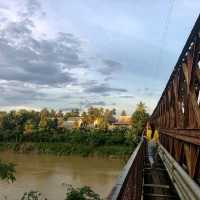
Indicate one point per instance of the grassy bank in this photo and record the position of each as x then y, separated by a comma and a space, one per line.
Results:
69, 149
92, 142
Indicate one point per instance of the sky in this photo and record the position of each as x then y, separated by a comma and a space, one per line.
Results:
76, 54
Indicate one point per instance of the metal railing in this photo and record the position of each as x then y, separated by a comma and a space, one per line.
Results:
184, 184
129, 183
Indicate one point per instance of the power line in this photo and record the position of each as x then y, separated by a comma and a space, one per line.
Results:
164, 36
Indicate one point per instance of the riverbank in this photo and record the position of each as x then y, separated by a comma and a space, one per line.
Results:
114, 151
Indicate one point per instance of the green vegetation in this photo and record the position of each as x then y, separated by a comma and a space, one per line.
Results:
69, 149
15, 124
30, 131
47, 126
83, 193
32, 195
139, 118
117, 143
42, 132
94, 137
7, 171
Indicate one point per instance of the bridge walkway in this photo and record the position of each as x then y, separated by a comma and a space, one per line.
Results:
156, 182
167, 180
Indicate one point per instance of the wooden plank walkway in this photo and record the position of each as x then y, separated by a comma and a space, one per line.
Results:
156, 183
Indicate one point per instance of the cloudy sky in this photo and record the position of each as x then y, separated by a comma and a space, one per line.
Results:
74, 54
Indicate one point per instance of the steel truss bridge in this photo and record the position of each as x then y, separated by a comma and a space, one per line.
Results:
177, 114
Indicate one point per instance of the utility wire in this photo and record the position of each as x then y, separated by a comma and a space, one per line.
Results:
163, 38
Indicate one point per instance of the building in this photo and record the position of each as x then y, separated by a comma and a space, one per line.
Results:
71, 123
123, 121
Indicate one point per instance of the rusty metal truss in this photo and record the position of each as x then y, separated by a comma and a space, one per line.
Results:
177, 114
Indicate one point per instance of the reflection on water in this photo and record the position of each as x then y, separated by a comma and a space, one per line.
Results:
49, 174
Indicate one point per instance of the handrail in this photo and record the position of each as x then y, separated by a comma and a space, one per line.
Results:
184, 184
131, 173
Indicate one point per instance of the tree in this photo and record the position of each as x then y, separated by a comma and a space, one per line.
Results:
139, 118
32, 195
52, 113
109, 116
102, 123
29, 127
3, 120
85, 120
84, 193
53, 123
59, 114
73, 113
94, 114
21, 117
7, 171
43, 125
123, 113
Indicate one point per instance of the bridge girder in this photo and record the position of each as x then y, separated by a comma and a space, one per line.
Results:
177, 114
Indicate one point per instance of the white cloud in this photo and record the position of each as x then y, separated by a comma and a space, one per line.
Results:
56, 69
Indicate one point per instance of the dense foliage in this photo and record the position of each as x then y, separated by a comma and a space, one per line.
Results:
118, 142
76, 136
83, 193
7, 171
32, 195
22, 122
139, 117
40, 132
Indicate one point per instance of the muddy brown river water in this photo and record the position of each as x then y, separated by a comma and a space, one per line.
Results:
49, 174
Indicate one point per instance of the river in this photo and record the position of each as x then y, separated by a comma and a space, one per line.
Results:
49, 174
